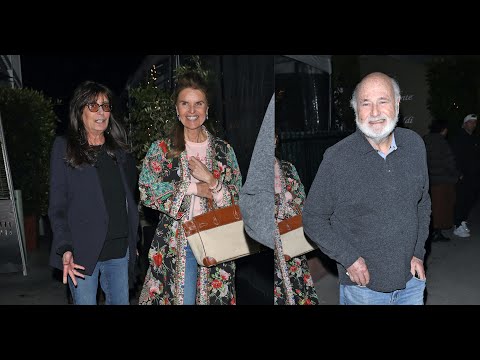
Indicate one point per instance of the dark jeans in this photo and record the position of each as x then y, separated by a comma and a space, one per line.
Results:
467, 194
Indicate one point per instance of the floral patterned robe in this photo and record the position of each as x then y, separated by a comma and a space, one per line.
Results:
292, 280
163, 184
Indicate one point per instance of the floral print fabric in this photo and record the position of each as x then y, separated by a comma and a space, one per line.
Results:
163, 183
293, 284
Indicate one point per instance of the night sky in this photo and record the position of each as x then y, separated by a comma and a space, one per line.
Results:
58, 75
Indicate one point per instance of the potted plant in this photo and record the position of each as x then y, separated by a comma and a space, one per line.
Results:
29, 124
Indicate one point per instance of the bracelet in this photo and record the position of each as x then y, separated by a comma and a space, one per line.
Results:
216, 191
217, 187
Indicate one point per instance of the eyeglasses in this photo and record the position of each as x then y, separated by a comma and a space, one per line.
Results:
93, 107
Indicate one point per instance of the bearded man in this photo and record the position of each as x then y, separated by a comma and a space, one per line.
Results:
368, 207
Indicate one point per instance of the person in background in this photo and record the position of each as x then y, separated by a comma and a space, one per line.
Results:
443, 176
179, 175
92, 209
369, 207
466, 147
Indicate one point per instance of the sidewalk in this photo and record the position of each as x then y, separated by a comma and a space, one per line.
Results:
452, 271
41, 286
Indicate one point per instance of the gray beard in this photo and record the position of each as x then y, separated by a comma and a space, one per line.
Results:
377, 138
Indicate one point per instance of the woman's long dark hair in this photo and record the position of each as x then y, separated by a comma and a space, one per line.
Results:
79, 152
189, 80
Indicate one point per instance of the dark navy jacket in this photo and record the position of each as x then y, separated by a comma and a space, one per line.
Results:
77, 211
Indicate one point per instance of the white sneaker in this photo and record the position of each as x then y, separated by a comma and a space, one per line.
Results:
461, 232
464, 225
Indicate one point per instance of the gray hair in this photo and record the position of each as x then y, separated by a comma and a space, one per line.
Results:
396, 91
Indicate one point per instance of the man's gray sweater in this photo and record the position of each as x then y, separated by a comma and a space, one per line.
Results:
257, 196
361, 205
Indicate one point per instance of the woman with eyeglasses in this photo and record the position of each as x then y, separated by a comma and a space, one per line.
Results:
179, 175
92, 209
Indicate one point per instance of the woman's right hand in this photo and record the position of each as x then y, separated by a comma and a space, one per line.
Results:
69, 268
204, 191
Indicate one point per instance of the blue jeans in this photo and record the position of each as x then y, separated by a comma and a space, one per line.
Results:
113, 276
360, 295
190, 287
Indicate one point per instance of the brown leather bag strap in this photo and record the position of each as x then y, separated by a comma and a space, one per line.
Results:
210, 203
236, 214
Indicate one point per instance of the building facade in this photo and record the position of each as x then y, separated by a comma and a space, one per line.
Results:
10, 71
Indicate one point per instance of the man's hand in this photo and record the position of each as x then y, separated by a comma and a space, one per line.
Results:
358, 272
416, 266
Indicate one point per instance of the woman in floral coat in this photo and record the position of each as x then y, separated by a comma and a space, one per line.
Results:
178, 177
292, 280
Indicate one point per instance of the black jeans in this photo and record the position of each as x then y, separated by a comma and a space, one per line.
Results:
467, 194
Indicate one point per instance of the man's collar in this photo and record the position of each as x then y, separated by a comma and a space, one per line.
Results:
365, 147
